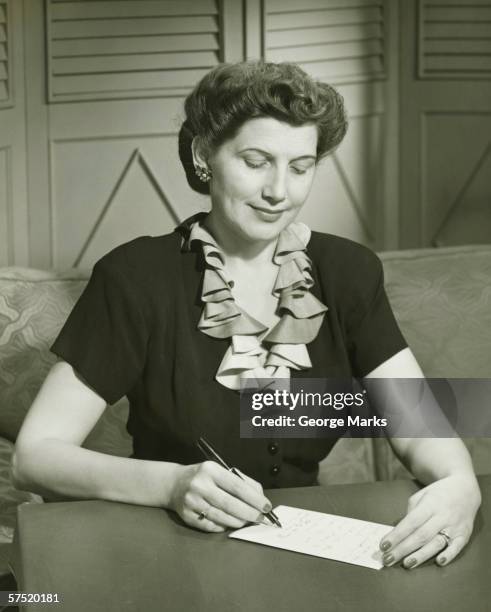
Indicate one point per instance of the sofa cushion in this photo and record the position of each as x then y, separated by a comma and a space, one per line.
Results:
10, 497
442, 301
351, 460
33, 307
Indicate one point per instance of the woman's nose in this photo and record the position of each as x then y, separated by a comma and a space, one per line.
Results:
274, 190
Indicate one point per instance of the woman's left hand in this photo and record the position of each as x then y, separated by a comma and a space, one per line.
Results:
449, 504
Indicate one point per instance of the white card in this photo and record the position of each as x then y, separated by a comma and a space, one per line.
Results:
321, 535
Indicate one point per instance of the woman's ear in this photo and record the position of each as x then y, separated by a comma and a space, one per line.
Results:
198, 155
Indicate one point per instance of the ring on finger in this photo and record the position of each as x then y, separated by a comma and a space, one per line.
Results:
445, 536
203, 514
431, 549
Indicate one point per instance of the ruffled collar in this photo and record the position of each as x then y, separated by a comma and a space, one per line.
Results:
256, 352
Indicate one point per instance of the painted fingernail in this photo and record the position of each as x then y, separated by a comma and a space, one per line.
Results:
267, 507
410, 562
441, 561
385, 546
388, 559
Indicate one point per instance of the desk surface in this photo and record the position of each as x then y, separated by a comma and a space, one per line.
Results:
117, 557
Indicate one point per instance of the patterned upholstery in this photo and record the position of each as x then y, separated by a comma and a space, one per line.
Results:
10, 498
33, 306
442, 301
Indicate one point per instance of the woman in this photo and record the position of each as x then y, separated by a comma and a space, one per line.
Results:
176, 322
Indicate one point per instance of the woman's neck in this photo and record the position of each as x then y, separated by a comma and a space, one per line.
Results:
235, 248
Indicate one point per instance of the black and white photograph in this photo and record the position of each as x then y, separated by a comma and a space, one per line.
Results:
245, 305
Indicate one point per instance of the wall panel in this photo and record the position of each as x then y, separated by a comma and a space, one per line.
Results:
6, 76
454, 39
13, 171
334, 40
131, 48
6, 100
445, 123
5, 206
348, 187
132, 191
456, 175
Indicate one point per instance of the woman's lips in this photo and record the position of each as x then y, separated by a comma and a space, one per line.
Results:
267, 214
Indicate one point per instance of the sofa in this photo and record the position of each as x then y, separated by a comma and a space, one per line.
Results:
441, 299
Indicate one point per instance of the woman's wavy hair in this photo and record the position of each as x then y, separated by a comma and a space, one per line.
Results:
231, 94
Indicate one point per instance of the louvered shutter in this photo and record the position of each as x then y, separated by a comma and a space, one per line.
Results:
5, 56
334, 40
130, 48
455, 39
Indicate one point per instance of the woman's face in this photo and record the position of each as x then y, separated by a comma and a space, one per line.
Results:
262, 177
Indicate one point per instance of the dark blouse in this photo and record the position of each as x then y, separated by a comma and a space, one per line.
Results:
134, 332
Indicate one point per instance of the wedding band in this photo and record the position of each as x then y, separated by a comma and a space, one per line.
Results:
446, 537
202, 515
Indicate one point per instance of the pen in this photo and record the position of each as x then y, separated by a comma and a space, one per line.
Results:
210, 453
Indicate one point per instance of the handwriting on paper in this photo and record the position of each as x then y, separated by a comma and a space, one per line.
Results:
321, 535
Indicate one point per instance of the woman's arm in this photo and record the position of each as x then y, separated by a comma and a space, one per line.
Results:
452, 497
428, 459
49, 460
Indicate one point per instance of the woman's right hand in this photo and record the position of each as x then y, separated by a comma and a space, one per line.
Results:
226, 500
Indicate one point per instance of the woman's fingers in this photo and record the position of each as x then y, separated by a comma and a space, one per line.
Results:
233, 512
199, 513
195, 519
229, 520
407, 526
240, 489
435, 545
225, 498
449, 553
235, 498
447, 505
415, 540
257, 486
424, 544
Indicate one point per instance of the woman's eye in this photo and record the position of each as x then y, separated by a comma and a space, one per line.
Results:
255, 163
298, 170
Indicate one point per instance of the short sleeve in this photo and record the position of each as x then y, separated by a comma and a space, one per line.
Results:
373, 333
104, 338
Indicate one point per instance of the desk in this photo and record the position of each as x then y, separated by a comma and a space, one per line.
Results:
116, 557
